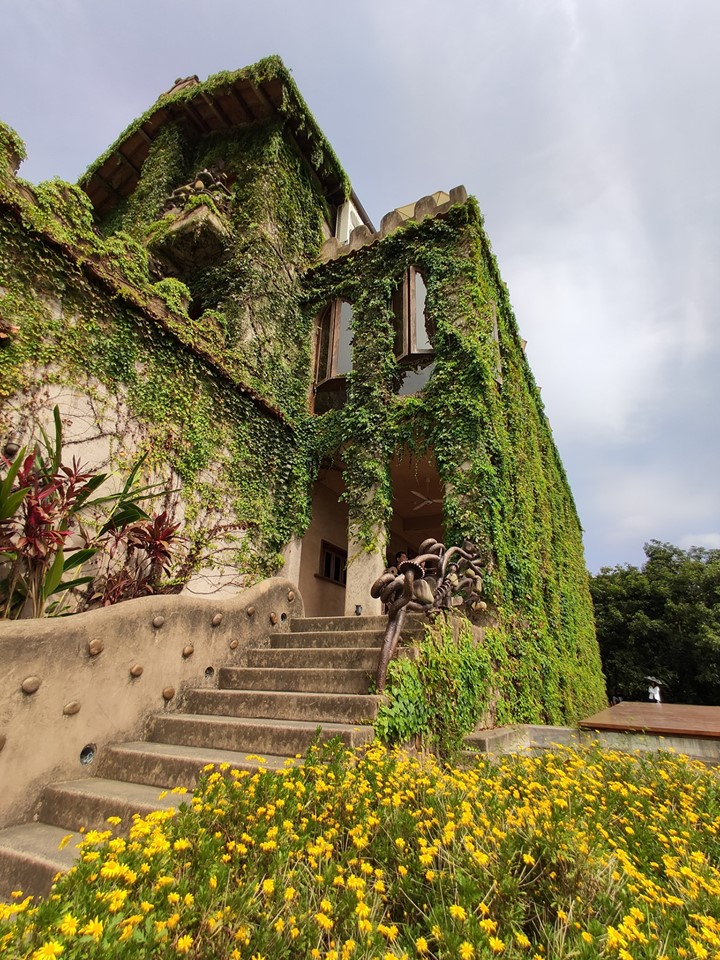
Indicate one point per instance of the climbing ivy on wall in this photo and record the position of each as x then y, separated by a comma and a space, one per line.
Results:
165, 167
179, 378
482, 417
222, 398
322, 156
248, 297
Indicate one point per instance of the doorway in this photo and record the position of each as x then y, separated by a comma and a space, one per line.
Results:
323, 561
418, 495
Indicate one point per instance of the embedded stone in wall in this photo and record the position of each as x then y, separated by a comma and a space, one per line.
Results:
195, 240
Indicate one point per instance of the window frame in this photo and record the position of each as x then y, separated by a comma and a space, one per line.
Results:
410, 354
332, 313
327, 548
347, 219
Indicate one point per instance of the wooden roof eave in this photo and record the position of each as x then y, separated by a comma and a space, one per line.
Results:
256, 101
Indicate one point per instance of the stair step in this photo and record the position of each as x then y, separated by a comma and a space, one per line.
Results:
344, 624
86, 804
300, 680
277, 737
414, 623
356, 658
309, 685
30, 857
169, 765
281, 705
327, 638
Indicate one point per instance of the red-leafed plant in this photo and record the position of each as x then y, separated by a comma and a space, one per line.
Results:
145, 552
52, 525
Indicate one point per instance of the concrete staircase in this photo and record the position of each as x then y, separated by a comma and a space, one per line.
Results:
312, 681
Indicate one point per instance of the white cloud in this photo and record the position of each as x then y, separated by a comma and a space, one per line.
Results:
709, 540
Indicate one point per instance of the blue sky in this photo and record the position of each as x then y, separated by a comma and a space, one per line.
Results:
587, 129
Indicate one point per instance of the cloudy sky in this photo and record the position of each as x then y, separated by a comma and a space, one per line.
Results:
587, 129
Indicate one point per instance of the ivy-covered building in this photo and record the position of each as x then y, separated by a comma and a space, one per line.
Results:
317, 394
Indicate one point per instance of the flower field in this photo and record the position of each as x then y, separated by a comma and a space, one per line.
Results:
574, 853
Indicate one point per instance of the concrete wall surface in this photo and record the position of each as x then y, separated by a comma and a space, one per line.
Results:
95, 678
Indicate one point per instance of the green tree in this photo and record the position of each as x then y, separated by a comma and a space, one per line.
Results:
663, 620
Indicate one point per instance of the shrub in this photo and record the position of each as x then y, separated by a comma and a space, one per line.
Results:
440, 696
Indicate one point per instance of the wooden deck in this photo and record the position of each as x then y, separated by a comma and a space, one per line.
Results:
669, 719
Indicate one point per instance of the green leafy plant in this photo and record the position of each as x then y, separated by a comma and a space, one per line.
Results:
438, 697
662, 619
175, 294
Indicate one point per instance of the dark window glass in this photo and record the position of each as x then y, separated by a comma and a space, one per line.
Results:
343, 362
333, 563
324, 345
415, 380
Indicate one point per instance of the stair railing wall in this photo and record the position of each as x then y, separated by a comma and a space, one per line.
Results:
72, 685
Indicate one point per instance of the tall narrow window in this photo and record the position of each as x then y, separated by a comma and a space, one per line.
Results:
348, 218
412, 340
412, 327
419, 335
333, 356
324, 346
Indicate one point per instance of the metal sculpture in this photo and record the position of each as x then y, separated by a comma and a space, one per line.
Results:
436, 579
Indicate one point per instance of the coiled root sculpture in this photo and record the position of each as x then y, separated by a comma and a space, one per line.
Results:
436, 579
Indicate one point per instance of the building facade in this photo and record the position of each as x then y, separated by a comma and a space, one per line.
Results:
316, 394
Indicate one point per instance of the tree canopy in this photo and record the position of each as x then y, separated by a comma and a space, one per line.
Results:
662, 620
